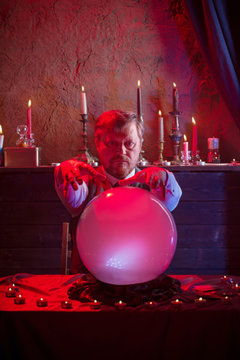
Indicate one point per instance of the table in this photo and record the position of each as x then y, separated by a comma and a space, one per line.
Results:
210, 331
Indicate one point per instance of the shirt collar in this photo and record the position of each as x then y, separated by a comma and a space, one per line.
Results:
113, 180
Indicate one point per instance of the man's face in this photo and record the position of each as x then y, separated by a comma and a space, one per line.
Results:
118, 150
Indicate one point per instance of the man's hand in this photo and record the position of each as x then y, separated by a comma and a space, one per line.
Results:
74, 171
154, 177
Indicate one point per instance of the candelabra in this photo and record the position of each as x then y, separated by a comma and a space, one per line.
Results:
175, 136
142, 161
84, 153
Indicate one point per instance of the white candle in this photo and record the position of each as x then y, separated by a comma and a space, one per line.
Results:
29, 120
185, 148
139, 100
161, 126
83, 102
1, 137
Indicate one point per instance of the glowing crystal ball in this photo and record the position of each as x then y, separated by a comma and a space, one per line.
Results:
126, 236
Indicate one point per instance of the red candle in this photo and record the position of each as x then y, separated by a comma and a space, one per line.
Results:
185, 148
194, 138
139, 100
42, 302
19, 300
175, 98
29, 120
83, 102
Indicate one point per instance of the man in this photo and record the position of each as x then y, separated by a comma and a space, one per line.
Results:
118, 140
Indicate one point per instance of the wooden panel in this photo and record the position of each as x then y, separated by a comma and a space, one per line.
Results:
30, 258
209, 186
206, 213
206, 236
27, 187
206, 259
33, 213
30, 236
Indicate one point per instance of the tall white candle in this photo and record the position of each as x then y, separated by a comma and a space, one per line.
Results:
83, 102
185, 148
161, 126
139, 100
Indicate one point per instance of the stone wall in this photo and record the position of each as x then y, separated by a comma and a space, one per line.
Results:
50, 48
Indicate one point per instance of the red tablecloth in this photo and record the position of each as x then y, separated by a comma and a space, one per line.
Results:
210, 331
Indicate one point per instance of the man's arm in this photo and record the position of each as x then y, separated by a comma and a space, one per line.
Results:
72, 179
162, 184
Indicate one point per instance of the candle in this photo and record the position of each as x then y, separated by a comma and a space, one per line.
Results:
66, 304
42, 302
83, 102
29, 120
19, 300
194, 138
10, 292
139, 100
200, 301
226, 279
176, 303
185, 149
161, 126
1, 138
226, 299
150, 304
236, 288
95, 305
120, 305
175, 98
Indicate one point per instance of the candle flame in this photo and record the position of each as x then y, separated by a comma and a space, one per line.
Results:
193, 121
139, 83
29, 103
0, 129
19, 295
200, 299
184, 137
82, 88
159, 112
174, 85
95, 301
120, 301
41, 299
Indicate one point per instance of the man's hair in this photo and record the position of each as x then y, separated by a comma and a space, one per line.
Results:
117, 119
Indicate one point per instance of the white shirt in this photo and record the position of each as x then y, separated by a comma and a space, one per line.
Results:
170, 195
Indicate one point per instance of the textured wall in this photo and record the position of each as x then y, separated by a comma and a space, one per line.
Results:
49, 49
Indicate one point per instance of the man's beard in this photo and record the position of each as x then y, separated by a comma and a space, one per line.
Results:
119, 167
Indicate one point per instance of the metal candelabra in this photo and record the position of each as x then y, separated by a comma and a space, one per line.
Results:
175, 136
142, 161
84, 153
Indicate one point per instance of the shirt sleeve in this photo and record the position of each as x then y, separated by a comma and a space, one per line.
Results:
171, 193
73, 199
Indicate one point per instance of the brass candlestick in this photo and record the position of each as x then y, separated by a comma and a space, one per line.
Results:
160, 160
175, 136
84, 153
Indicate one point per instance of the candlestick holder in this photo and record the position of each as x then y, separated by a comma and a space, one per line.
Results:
84, 153
160, 160
175, 136
142, 161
